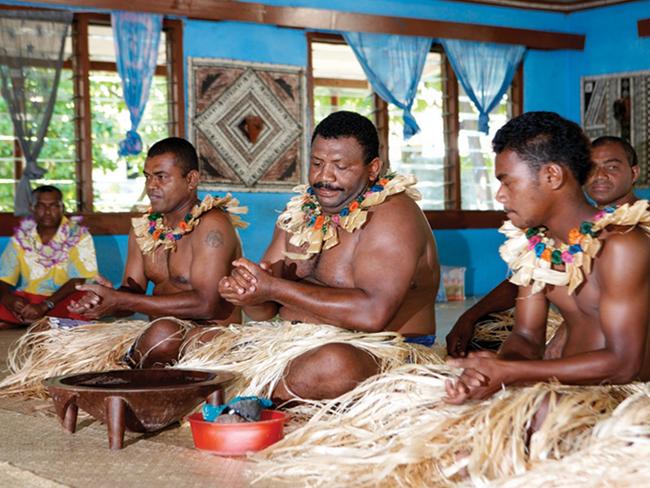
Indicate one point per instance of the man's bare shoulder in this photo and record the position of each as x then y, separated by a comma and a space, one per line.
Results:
215, 229
400, 210
400, 205
625, 253
398, 222
620, 238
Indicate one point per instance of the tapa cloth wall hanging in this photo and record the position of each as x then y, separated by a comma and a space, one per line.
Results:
248, 122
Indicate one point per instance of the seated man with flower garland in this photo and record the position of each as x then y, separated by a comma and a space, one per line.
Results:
353, 250
593, 265
48, 255
183, 245
611, 181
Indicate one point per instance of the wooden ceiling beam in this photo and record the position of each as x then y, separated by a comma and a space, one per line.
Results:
322, 19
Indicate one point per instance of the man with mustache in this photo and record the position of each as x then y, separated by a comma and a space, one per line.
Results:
611, 183
184, 246
352, 250
593, 265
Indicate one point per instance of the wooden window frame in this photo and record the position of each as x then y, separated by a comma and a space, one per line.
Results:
453, 217
108, 222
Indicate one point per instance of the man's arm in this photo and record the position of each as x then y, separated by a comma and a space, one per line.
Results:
622, 275
9, 275
34, 311
384, 263
213, 246
14, 303
499, 299
528, 337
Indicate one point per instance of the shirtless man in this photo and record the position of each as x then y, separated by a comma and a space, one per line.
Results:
183, 257
611, 181
382, 276
542, 162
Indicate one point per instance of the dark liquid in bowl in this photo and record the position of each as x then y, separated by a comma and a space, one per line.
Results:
138, 379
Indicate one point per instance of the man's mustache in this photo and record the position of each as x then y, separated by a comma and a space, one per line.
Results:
326, 186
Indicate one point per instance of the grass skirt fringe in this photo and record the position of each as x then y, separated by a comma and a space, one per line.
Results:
261, 351
497, 328
394, 430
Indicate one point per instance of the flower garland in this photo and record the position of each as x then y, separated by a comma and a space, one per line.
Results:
151, 232
58, 249
530, 254
305, 221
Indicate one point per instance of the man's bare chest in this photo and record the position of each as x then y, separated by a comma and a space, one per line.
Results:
170, 265
584, 302
333, 267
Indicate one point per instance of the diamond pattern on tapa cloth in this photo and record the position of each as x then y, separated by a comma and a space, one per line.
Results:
225, 97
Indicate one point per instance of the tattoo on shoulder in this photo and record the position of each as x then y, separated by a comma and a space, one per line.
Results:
214, 238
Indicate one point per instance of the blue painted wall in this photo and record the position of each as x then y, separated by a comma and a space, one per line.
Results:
258, 43
551, 82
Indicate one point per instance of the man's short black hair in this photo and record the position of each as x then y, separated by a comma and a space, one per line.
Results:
184, 153
632, 158
47, 189
350, 124
540, 138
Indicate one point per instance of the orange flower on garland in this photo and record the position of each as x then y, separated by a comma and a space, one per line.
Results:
320, 220
575, 237
546, 255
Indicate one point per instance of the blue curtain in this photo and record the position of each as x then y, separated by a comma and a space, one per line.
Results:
32, 47
393, 65
485, 70
136, 38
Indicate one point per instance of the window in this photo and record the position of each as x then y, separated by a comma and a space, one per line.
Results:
423, 154
118, 182
339, 82
452, 160
90, 118
478, 184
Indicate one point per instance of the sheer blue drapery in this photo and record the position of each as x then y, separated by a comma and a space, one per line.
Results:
485, 70
393, 65
136, 38
31, 57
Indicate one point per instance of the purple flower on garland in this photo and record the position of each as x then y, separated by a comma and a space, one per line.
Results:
54, 252
533, 241
567, 257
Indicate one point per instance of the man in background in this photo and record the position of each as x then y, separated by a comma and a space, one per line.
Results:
48, 255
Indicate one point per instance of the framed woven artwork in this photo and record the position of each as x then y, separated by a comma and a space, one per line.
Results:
248, 122
617, 105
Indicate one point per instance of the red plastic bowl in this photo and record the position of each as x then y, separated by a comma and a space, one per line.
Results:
237, 439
